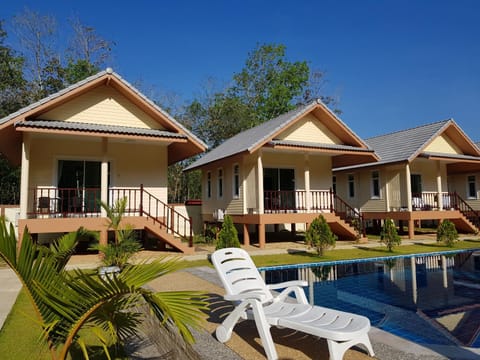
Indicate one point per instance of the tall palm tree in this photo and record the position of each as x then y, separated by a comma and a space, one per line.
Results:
67, 301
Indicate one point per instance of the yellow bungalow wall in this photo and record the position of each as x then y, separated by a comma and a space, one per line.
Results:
443, 144
309, 129
146, 165
103, 105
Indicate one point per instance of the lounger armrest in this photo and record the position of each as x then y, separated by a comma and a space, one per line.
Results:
245, 296
287, 284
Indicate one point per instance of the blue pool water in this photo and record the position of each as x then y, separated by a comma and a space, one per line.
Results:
426, 298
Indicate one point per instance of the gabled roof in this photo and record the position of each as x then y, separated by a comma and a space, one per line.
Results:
108, 77
406, 145
252, 139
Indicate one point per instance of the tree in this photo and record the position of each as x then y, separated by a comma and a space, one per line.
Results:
228, 236
447, 233
9, 182
389, 235
267, 86
12, 82
319, 235
36, 34
51, 66
66, 302
269, 83
88, 47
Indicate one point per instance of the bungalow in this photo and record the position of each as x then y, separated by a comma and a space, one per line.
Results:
280, 172
99, 139
424, 173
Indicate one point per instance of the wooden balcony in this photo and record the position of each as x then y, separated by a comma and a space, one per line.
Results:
69, 203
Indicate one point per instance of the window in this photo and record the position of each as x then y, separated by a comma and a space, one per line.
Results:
375, 189
236, 181
472, 187
209, 184
334, 184
351, 185
220, 183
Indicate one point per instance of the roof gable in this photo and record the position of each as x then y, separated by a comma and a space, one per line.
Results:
104, 92
443, 144
309, 129
439, 138
103, 105
314, 115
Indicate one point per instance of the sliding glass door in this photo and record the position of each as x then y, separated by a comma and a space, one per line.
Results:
79, 185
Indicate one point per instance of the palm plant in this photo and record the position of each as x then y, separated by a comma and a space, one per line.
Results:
125, 244
66, 302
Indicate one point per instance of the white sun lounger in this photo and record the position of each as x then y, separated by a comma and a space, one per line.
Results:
253, 299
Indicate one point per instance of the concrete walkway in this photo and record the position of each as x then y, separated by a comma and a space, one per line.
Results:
9, 288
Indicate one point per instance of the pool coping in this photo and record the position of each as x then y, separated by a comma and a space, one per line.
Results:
353, 261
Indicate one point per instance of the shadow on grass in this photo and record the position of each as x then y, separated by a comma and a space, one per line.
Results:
376, 250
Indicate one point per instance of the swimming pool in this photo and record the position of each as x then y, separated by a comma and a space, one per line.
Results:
425, 298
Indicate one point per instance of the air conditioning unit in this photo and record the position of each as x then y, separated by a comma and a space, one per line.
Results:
218, 214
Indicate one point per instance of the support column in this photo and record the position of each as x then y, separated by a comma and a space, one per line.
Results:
308, 200
387, 194
408, 181
439, 186
411, 229
260, 194
104, 176
24, 176
103, 237
246, 235
261, 236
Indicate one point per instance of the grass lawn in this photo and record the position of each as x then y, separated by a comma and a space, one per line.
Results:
20, 336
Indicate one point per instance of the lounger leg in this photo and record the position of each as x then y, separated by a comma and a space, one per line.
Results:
224, 331
263, 328
337, 349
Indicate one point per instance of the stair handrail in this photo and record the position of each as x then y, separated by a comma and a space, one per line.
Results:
347, 213
467, 211
170, 219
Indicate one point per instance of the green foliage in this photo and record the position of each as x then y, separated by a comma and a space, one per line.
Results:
183, 186
125, 245
9, 183
12, 82
447, 233
319, 235
66, 302
228, 236
269, 82
389, 235
267, 86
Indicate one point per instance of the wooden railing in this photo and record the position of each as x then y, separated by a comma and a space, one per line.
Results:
320, 200
85, 202
349, 214
461, 205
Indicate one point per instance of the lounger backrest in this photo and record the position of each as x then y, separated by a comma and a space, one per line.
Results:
239, 273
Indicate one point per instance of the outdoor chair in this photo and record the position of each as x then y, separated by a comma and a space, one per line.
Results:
254, 300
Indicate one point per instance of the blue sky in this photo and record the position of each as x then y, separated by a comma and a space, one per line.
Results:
391, 64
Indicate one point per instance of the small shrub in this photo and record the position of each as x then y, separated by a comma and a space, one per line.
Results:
447, 233
389, 235
319, 235
228, 235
